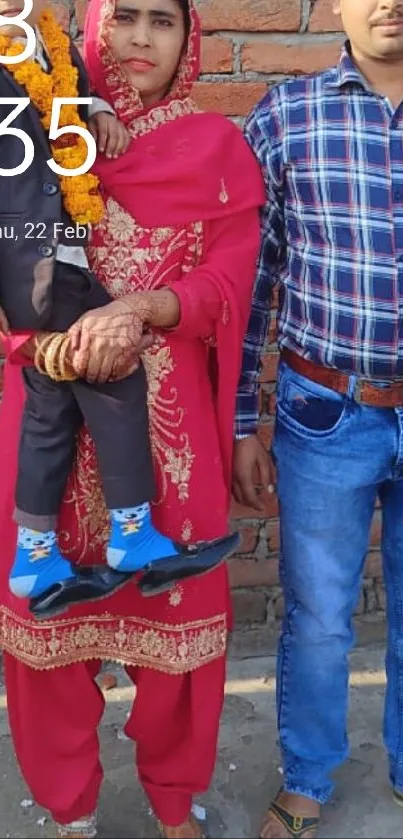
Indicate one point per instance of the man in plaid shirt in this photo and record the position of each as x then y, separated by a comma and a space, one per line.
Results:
331, 151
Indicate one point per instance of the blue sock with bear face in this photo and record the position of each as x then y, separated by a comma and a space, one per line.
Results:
134, 541
38, 563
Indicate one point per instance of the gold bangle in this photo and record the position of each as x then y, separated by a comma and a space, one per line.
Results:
40, 352
50, 357
65, 375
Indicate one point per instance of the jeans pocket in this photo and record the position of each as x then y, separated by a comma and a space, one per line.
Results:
308, 407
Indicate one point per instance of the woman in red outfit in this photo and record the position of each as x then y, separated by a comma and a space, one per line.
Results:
181, 228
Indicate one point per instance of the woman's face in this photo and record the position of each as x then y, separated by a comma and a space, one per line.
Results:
147, 39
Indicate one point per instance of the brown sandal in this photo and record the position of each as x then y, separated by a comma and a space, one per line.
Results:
296, 826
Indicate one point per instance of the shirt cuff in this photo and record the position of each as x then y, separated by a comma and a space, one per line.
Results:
247, 414
99, 106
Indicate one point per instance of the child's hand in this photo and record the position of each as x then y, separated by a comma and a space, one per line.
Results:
4, 327
111, 136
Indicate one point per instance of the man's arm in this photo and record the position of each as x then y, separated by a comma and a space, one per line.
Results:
253, 469
264, 134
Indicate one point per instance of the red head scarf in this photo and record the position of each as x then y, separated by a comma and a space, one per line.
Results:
181, 164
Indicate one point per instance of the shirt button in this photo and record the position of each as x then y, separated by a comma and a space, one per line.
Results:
397, 194
50, 189
45, 250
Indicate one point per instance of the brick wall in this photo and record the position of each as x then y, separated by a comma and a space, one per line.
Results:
248, 45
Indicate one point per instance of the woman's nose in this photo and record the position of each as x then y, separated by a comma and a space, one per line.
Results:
141, 34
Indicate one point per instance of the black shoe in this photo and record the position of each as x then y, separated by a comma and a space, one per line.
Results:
163, 574
92, 583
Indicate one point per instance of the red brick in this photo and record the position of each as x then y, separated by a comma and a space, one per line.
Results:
249, 538
239, 511
373, 566
273, 535
360, 608
250, 15
279, 606
322, 18
380, 595
272, 331
275, 298
250, 573
217, 55
376, 530
269, 368
265, 434
269, 57
229, 98
271, 406
249, 606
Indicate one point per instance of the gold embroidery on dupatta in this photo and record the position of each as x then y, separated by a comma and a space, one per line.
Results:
172, 649
159, 116
170, 446
194, 249
123, 264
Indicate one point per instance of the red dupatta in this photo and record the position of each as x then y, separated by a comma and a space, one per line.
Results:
182, 166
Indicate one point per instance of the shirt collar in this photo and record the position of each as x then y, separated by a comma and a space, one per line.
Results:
40, 52
346, 72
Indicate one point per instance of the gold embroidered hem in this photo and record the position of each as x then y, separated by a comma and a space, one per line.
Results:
173, 649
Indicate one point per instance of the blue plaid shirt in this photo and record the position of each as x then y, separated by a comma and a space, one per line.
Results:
331, 151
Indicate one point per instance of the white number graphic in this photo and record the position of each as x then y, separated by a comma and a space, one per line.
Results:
55, 132
20, 105
19, 20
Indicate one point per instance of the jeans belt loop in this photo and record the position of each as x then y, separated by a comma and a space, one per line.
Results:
357, 392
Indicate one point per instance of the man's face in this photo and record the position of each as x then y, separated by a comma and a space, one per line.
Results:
374, 27
10, 8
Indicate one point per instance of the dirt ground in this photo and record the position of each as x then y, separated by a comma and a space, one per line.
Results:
248, 772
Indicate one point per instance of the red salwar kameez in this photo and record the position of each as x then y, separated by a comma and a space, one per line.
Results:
181, 211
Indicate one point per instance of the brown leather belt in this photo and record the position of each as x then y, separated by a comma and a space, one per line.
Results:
365, 392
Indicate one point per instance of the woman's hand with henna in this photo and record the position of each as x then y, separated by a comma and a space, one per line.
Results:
106, 342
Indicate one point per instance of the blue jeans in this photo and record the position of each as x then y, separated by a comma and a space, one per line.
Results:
333, 456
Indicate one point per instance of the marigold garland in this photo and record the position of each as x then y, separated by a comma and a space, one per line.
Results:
81, 196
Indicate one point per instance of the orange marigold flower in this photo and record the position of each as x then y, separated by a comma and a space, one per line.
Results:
81, 193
